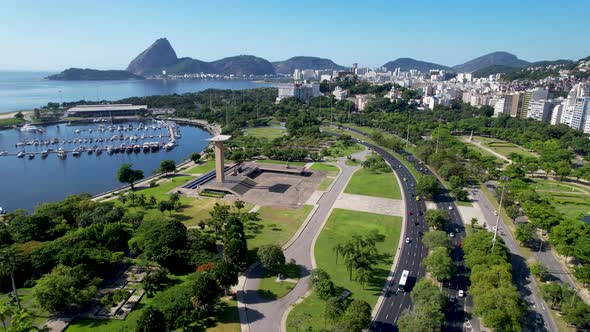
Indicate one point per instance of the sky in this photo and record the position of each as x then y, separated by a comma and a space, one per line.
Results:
108, 34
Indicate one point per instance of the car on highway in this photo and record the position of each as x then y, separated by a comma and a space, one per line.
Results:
408, 240
461, 293
451, 234
417, 198
494, 228
495, 213
539, 320
450, 207
405, 180
410, 213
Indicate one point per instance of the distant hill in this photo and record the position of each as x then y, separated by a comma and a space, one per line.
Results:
550, 62
161, 56
287, 67
406, 64
154, 59
495, 69
495, 58
79, 74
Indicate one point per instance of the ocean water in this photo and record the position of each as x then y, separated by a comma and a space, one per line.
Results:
25, 90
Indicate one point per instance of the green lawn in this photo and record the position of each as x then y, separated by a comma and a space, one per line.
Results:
499, 162
281, 162
376, 184
571, 205
502, 147
350, 162
25, 296
312, 305
202, 168
340, 227
325, 184
160, 191
11, 122
565, 187
268, 132
339, 150
271, 289
276, 226
331, 170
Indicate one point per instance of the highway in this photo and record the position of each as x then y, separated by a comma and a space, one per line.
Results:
413, 252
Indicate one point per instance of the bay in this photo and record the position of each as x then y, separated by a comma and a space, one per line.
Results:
26, 90
25, 182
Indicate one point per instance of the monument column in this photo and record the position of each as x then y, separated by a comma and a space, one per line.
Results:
219, 156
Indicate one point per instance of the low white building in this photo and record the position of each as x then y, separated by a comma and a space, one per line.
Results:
360, 101
540, 110
340, 93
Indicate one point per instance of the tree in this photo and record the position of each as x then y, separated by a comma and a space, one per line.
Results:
553, 293
424, 318
8, 265
325, 289
525, 233
152, 201
334, 309
356, 317
501, 308
427, 186
425, 293
363, 275
434, 239
436, 218
576, 312
151, 320
439, 264
301, 322
167, 166
204, 291
271, 256
165, 206
21, 321
226, 274
195, 157
154, 280
540, 271
128, 175
65, 289
5, 313
19, 115
317, 275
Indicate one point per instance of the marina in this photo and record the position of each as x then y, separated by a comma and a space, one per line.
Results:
65, 159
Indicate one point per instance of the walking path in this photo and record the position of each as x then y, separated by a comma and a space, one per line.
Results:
260, 314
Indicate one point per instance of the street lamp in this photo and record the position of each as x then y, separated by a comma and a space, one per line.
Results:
437, 135
504, 179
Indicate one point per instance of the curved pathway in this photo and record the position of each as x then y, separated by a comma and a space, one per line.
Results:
260, 314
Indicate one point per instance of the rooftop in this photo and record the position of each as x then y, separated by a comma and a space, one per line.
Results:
107, 107
219, 138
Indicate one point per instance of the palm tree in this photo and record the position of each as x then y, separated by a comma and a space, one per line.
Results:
362, 275
5, 313
22, 320
8, 265
338, 250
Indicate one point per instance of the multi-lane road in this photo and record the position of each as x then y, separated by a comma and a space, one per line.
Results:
412, 253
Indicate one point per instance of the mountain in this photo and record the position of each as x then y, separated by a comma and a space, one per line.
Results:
495, 58
287, 67
406, 64
161, 56
550, 62
495, 69
79, 74
154, 59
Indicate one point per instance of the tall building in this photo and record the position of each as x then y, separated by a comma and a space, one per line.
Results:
499, 107
575, 109
540, 109
556, 114
340, 93
528, 96
302, 91
297, 75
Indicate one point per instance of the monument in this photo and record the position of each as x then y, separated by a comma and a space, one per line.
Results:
219, 156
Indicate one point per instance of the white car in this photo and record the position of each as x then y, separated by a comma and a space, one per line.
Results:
450, 207
461, 293
451, 234
407, 240
494, 228
495, 213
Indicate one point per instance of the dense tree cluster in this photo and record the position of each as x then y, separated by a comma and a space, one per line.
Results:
427, 310
496, 299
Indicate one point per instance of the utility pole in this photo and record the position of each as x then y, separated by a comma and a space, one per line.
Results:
437, 136
498, 216
408, 131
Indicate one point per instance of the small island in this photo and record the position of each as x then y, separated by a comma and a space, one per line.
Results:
79, 74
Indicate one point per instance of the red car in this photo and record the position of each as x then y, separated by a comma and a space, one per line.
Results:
459, 244
409, 213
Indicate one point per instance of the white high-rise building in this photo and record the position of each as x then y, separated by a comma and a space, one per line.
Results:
556, 114
575, 108
540, 109
297, 75
302, 91
499, 107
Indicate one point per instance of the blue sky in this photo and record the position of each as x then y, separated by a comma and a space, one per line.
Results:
107, 34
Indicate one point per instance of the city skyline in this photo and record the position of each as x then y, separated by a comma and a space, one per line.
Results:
94, 35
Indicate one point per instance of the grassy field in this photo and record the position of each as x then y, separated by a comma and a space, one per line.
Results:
281, 162
563, 187
376, 184
202, 168
271, 289
486, 153
331, 170
325, 184
502, 147
339, 150
340, 227
11, 122
276, 226
268, 132
25, 297
351, 162
571, 205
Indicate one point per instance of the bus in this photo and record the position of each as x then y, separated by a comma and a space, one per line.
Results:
403, 280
